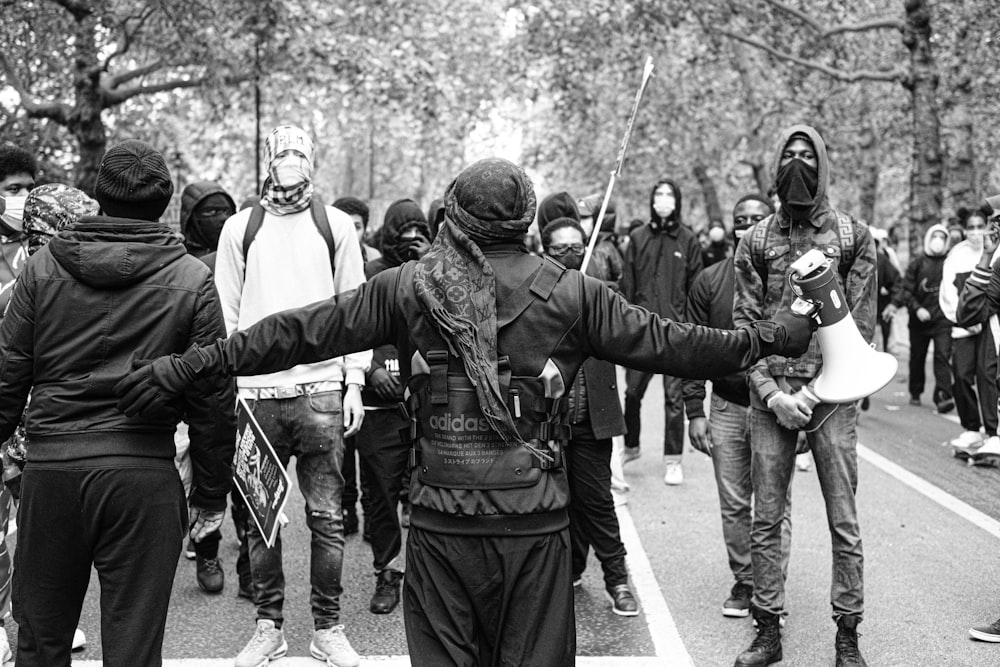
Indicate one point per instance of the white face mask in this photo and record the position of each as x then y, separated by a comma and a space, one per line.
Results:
13, 215
975, 238
936, 245
716, 234
664, 202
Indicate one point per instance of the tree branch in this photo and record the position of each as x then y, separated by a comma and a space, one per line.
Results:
77, 8
55, 111
112, 98
873, 24
127, 35
849, 76
800, 15
125, 77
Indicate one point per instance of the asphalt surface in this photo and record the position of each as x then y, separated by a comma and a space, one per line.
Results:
930, 571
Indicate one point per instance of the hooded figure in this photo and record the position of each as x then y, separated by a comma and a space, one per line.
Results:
557, 205
398, 246
664, 215
205, 207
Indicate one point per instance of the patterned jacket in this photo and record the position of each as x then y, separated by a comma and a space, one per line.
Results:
760, 294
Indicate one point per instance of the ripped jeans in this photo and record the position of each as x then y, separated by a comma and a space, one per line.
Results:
311, 428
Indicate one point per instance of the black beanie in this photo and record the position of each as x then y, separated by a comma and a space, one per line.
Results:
133, 182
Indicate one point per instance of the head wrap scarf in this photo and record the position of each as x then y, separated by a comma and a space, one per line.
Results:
288, 187
491, 201
52, 208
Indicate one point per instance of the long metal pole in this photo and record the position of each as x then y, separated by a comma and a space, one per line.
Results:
647, 71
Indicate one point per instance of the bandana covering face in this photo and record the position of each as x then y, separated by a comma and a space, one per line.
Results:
288, 187
492, 200
796, 184
52, 208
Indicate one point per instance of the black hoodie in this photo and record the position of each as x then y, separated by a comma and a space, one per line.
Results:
194, 239
99, 296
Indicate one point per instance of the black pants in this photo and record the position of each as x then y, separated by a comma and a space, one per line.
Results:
592, 518
384, 459
128, 521
636, 383
920, 340
489, 601
974, 364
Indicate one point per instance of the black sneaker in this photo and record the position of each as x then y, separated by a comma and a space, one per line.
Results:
189, 550
848, 653
386, 592
943, 402
209, 575
738, 604
865, 404
914, 400
623, 602
350, 521
987, 633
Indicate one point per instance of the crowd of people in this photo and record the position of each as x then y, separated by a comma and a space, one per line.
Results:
444, 377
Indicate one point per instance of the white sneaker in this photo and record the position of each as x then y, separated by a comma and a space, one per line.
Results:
967, 440
5, 652
674, 474
331, 645
79, 640
803, 462
991, 446
267, 644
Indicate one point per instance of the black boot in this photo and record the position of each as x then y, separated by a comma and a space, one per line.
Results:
766, 646
386, 592
209, 575
848, 653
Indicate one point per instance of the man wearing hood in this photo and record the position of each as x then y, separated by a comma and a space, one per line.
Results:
781, 396
927, 324
99, 488
490, 337
717, 248
404, 236
205, 207
661, 262
306, 409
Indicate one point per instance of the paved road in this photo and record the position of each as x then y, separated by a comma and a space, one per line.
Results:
931, 527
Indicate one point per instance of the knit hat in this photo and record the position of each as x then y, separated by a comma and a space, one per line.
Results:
133, 182
51, 208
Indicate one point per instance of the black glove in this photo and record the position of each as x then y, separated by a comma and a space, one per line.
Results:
785, 333
153, 384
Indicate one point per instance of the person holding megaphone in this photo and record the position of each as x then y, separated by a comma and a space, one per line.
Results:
782, 397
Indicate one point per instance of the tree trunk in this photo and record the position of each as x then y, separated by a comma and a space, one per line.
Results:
84, 120
870, 168
712, 206
761, 177
926, 179
961, 187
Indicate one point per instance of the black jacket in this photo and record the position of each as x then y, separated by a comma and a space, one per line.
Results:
87, 305
660, 266
710, 303
579, 318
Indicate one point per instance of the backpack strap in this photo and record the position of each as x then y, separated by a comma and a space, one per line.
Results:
319, 217
545, 280
848, 244
758, 244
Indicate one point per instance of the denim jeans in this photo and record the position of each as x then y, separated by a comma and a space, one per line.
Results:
834, 448
731, 453
636, 383
311, 428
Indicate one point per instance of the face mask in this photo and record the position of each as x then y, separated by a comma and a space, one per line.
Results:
936, 245
13, 215
975, 237
796, 184
289, 171
716, 234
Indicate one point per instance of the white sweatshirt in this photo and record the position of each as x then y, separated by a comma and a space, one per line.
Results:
288, 266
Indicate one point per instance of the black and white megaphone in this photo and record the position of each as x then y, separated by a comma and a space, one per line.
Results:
852, 369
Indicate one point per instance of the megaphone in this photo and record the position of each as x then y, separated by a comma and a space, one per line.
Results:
852, 369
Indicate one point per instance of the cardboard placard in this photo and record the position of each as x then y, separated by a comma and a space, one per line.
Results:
258, 474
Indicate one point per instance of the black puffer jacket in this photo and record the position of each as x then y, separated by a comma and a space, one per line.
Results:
86, 305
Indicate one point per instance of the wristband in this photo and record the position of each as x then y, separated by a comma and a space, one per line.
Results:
773, 399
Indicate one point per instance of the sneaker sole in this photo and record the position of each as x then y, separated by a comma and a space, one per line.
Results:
984, 637
735, 613
616, 609
319, 655
277, 655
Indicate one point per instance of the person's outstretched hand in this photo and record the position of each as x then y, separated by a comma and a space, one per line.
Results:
786, 333
153, 384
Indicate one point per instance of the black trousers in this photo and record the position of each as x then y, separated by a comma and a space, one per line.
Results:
384, 458
920, 341
592, 518
974, 364
129, 523
489, 601
636, 383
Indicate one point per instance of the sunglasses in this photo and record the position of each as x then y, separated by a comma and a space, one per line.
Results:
561, 249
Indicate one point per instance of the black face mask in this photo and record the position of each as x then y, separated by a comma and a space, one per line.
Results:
796, 184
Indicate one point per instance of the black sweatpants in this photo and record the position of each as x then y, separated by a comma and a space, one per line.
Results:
488, 601
129, 522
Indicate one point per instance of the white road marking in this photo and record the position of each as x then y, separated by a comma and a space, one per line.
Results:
666, 639
935, 493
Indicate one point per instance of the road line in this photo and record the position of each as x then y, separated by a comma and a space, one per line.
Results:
383, 661
666, 639
935, 493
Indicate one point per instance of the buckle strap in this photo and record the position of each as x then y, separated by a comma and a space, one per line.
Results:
438, 362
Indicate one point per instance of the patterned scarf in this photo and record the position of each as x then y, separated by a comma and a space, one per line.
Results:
492, 200
288, 188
